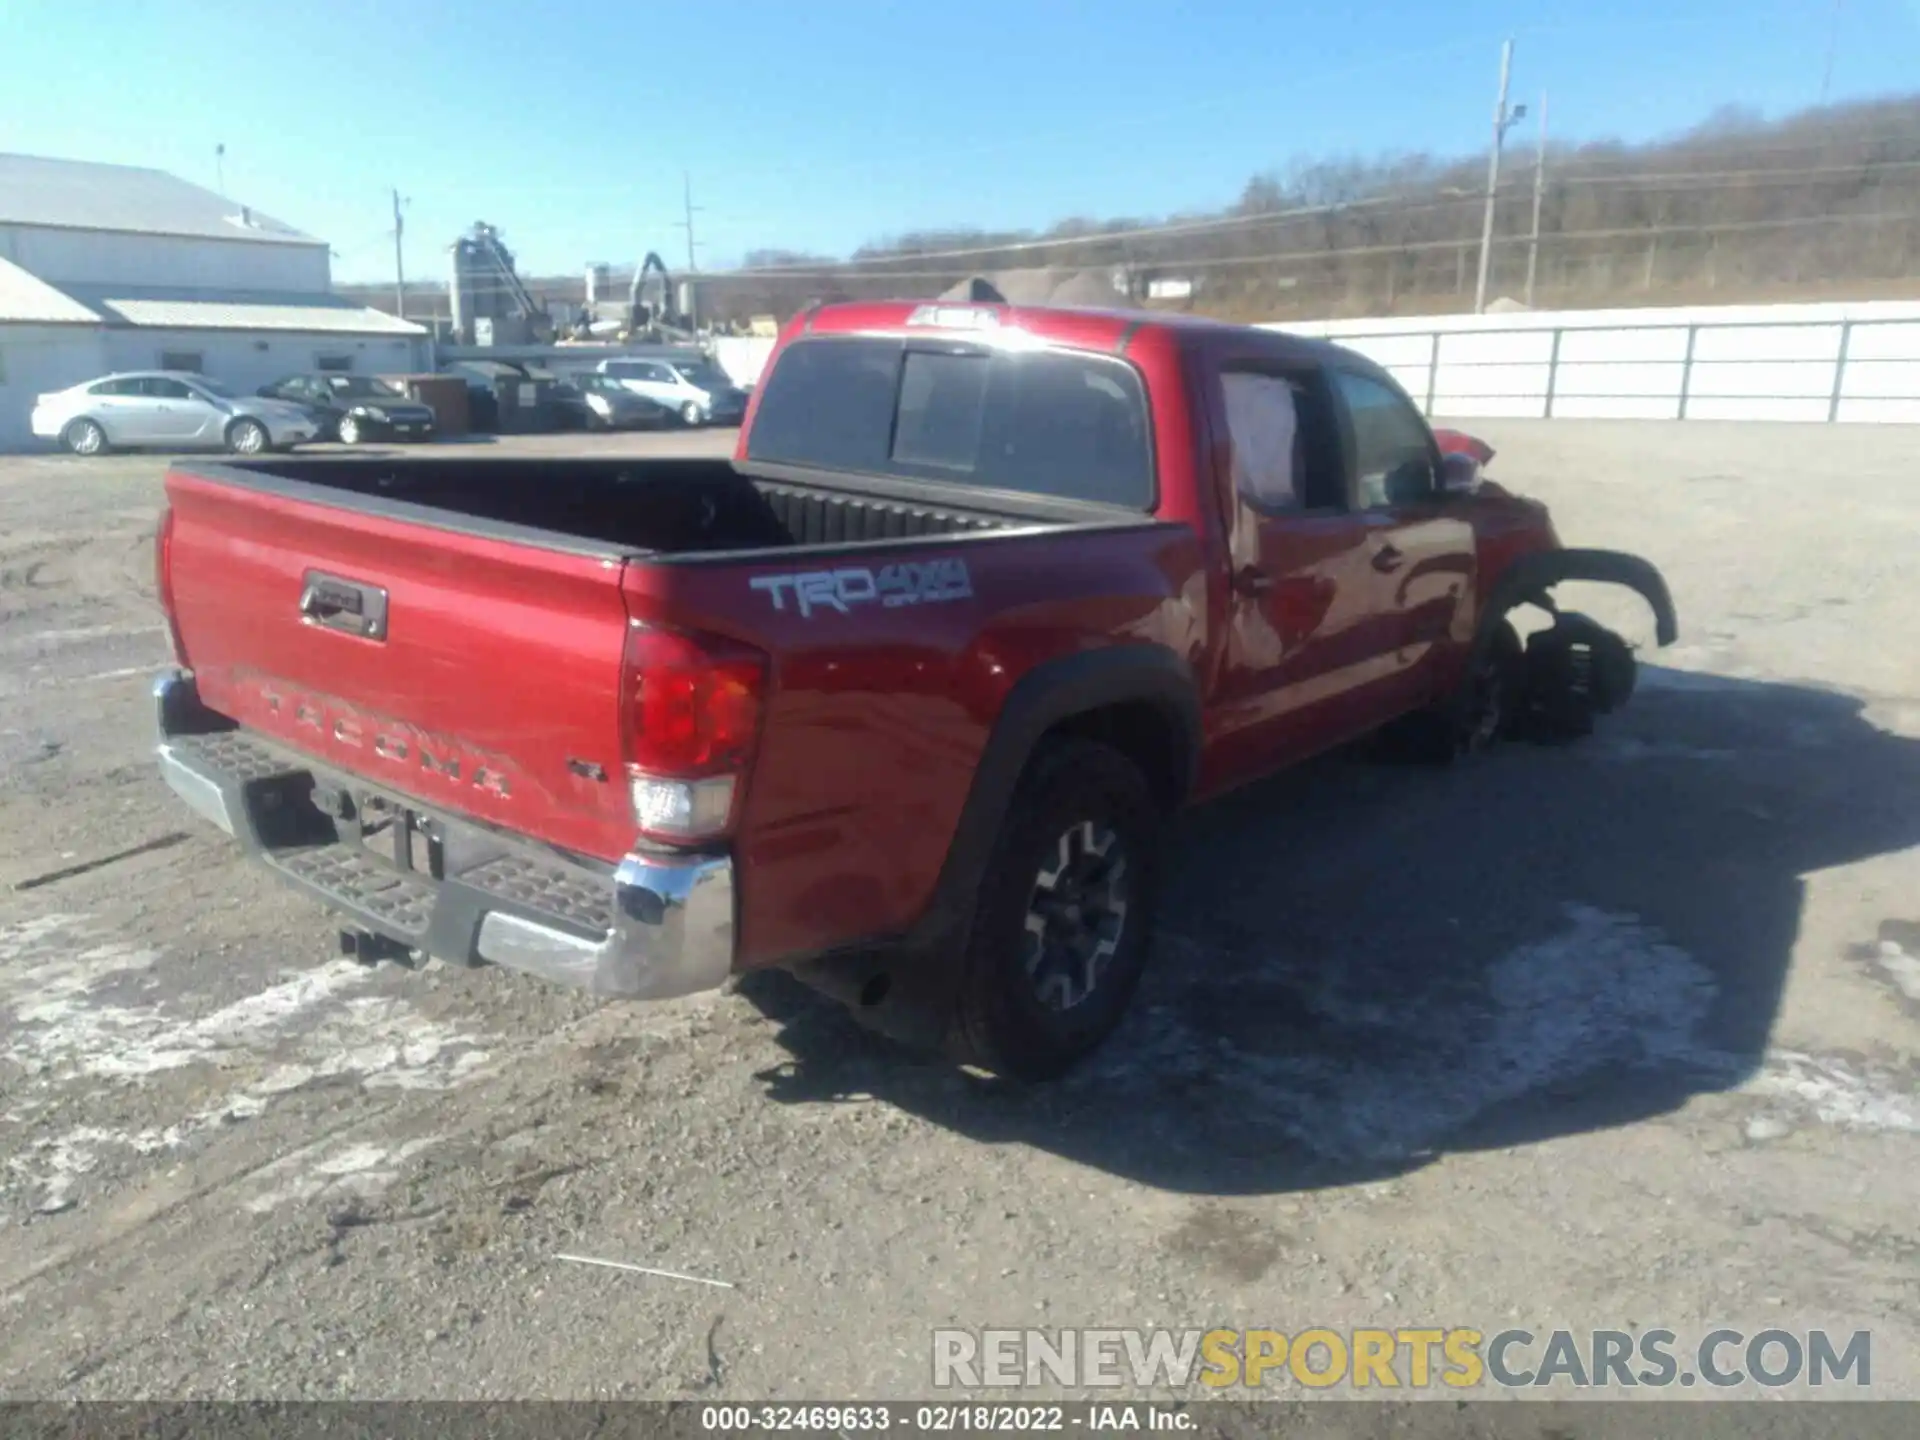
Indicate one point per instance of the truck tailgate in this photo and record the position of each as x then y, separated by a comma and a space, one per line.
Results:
474, 673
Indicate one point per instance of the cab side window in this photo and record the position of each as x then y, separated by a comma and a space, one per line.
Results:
1393, 449
1263, 428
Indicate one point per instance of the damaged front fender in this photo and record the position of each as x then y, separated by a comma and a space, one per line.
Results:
1529, 578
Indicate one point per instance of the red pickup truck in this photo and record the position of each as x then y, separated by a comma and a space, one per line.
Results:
899, 698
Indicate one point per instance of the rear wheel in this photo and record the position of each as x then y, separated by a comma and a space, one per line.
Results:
248, 437
83, 437
349, 430
1064, 915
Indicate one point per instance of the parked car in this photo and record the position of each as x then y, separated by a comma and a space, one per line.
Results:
899, 698
173, 409
698, 391
610, 405
356, 408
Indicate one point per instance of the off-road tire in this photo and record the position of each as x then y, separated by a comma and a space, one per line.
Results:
1001, 1021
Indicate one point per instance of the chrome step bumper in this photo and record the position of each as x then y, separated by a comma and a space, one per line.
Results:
652, 927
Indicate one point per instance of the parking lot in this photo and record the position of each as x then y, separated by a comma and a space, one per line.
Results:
1616, 1035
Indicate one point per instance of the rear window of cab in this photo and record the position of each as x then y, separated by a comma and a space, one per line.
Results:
1047, 422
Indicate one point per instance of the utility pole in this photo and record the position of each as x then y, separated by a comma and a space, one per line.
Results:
1503, 121
693, 264
220, 168
399, 265
1539, 192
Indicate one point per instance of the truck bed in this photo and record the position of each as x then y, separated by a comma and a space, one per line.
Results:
658, 508
454, 629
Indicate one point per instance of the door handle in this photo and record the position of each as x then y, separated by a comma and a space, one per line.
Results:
1251, 580
337, 604
1389, 558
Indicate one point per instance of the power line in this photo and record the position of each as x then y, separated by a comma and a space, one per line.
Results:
1694, 177
1641, 232
1144, 232
1401, 204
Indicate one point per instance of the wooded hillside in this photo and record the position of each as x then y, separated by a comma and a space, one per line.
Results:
1825, 203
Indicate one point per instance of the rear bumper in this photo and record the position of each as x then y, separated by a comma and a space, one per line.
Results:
650, 928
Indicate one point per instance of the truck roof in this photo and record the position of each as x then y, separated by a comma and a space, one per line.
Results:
1074, 327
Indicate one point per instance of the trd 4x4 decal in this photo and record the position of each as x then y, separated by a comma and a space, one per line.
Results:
931, 583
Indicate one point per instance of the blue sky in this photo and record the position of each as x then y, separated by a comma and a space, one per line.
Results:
822, 124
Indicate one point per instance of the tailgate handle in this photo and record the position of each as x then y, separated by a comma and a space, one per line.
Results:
335, 603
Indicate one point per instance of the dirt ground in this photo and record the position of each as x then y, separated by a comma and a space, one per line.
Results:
1618, 1035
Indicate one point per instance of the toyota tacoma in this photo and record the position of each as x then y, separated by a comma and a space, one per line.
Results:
900, 698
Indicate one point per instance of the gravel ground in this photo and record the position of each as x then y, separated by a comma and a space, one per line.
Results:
1617, 1035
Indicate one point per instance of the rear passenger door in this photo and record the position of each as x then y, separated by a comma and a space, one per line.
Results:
1420, 557
1301, 647
118, 407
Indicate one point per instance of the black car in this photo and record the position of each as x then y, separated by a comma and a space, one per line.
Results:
612, 406
353, 408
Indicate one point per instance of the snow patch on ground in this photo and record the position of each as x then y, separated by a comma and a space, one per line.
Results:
1836, 1092
74, 1034
1899, 967
1604, 990
1627, 748
358, 1170
1390, 1081
311, 1027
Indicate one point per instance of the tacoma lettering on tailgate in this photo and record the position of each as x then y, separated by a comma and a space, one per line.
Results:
906, 583
402, 747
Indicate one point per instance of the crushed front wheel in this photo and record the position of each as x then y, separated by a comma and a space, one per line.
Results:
1575, 670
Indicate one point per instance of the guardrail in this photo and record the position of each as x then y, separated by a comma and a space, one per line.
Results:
1848, 362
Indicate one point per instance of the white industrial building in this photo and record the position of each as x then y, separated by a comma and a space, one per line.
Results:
108, 267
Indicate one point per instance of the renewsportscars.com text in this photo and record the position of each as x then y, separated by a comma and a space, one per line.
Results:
1403, 1358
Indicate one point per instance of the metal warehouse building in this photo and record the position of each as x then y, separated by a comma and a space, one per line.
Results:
108, 267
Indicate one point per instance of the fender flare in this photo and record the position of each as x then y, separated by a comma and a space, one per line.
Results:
1052, 692
1531, 576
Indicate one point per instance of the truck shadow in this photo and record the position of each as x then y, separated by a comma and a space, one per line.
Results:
1364, 967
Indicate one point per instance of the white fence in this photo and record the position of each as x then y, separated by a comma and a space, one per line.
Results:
1850, 362
1858, 362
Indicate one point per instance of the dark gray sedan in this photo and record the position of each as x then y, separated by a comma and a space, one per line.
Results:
612, 406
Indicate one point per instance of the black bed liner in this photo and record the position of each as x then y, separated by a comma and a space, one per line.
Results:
666, 509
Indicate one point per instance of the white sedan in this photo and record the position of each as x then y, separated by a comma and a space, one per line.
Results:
172, 409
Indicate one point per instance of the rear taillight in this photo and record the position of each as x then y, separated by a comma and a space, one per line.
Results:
163, 579
691, 715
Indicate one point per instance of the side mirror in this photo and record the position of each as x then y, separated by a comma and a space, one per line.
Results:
1459, 474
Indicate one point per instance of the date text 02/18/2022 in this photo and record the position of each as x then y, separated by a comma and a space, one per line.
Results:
945, 1418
